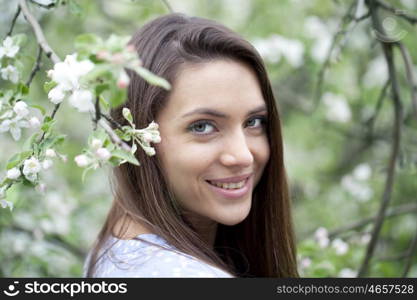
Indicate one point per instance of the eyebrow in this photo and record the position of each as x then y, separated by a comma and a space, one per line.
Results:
215, 113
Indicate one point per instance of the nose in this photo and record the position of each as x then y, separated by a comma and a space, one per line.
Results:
236, 151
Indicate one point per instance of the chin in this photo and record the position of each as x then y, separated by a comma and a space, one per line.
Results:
234, 218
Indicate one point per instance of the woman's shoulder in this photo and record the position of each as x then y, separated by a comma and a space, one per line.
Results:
153, 257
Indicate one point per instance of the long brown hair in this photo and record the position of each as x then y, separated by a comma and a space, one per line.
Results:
260, 246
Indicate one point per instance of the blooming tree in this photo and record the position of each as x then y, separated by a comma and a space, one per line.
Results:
92, 80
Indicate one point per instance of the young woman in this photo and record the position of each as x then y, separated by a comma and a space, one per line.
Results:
213, 201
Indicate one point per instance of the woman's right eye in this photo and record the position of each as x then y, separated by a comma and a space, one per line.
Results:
201, 127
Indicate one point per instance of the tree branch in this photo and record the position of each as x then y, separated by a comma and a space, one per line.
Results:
38, 32
9, 33
113, 136
396, 136
409, 255
395, 211
398, 12
47, 6
36, 67
410, 75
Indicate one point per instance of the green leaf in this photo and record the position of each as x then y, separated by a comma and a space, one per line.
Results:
49, 85
75, 8
101, 88
104, 102
19, 39
152, 78
87, 41
126, 156
117, 96
17, 159
48, 122
23, 89
28, 143
41, 108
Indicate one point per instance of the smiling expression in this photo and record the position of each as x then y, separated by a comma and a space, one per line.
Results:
214, 145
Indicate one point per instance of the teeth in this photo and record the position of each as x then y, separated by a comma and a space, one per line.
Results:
229, 186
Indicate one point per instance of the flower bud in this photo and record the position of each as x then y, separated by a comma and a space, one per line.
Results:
34, 122
46, 164
123, 80
103, 153
96, 144
50, 153
82, 160
13, 173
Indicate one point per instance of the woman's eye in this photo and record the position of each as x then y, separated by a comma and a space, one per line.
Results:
256, 122
201, 127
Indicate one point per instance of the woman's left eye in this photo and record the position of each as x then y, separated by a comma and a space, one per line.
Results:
256, 122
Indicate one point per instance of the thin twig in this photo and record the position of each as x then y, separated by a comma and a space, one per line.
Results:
396, 136
409, 255
112, 121
48, 6
395, 211
36, 67
9, 33
113, 136
55, 239
97, 113
371, 121
38, 32
320, 77
398, 12
410, 75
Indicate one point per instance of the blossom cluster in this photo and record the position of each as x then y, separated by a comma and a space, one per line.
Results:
14, 118
8, 51
30, 170
67, 76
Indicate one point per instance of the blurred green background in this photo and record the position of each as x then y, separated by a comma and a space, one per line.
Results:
336, 163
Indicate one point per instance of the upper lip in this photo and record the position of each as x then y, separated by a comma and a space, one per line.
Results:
232, 179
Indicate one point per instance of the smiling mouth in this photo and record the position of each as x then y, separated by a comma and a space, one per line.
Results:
230, 185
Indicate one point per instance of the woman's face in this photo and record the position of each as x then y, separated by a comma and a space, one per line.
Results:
214, 145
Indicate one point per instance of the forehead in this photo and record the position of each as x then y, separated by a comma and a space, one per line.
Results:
220, 84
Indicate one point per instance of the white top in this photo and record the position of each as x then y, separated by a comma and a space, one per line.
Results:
133, 258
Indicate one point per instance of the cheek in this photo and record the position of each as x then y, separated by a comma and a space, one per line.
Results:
184, 162
262, 151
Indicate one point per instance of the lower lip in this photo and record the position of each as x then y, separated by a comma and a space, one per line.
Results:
233, 193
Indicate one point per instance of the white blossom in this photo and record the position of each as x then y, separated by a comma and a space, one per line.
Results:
4, 203
82, 100
362, 172
149, 150
14, 126
46, 164
337, 108
357, 189
103, 154
8, 49
82, 160
305, 263
13, 173
31, 166
56, 95
10, 73
50, 153
322, 237
34, 122
276, 46
96, 144
123, 80
347, 273
21, 109
340, 246
67, 73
